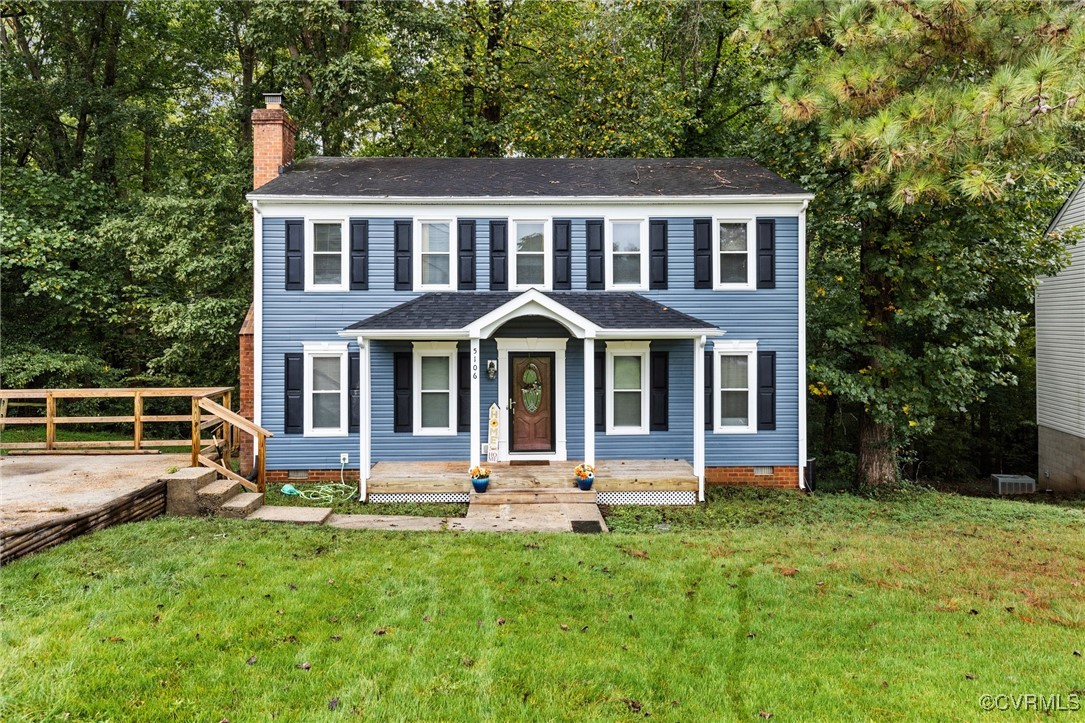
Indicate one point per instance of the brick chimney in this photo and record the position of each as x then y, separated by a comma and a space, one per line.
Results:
273, 134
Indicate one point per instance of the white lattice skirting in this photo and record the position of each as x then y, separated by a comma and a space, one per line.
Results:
648, 498
419, 497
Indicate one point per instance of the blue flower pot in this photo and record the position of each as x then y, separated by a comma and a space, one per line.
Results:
585, 484
480, 484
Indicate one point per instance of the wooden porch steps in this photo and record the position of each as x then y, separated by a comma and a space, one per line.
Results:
539, 496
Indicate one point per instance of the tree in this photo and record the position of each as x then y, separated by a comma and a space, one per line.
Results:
936, 122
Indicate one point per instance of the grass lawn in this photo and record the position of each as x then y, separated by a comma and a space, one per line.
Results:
838, 607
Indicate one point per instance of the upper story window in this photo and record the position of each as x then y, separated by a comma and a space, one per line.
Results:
531, 255
735, 382
627, 257
324, 241
627, 387
435, 267
734, 254
325, 401
435, 401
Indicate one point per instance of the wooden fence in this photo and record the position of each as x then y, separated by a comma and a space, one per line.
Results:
210, 414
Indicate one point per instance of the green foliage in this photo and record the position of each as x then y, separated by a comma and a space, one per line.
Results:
942, 131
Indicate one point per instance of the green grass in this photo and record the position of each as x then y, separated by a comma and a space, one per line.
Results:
835, 608
351, 505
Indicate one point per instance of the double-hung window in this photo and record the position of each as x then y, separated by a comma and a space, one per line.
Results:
328, 269
734, 245
435, 397
325, 403
435, 265
735, 385
531, 252
627, 255
627, 387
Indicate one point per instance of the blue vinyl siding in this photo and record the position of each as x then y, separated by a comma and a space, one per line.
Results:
769, 316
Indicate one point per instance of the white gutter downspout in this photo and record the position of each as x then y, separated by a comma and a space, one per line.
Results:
257, 315
802, 345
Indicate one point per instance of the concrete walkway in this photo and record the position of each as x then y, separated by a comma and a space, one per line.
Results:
512, 517
530, 517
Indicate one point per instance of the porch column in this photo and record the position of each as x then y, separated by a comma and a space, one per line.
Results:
589, 400
476, 437
364, 426
698, 414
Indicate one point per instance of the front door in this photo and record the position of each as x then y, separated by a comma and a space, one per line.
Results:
531, 401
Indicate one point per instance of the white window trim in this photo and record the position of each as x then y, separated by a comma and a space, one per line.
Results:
609, 245
416, 256
627, 348
751, 254
434, 349
325, 350
735, 348
548, 254
344, 261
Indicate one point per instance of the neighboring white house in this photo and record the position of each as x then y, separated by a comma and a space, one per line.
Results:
1060, 361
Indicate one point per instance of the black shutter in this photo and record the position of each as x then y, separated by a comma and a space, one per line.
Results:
465, 235
354, 392
657, 254
766, 253
295, 256
403, 406
359, 255
658, 402
600, 391
499, 255
709, 391
766, 391
596, 254
294, 412
702, 253
563, 256
463, 391
403, 260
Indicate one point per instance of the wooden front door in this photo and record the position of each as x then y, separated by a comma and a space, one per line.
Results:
531, 402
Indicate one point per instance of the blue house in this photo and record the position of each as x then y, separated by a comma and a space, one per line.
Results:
512, 311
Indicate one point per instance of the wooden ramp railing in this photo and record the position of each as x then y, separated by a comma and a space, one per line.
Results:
50, 399
231, 422
210, 415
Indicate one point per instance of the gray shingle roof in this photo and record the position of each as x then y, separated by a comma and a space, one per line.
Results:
526, 177
457, 309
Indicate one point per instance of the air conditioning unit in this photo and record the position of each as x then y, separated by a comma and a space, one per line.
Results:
1012, 484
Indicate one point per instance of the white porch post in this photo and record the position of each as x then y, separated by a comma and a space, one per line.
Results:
364, 428
589, 400
698, 414
476, 437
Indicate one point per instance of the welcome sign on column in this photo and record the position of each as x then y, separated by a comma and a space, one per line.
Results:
493, 441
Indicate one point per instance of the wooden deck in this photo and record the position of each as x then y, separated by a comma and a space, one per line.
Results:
634, 475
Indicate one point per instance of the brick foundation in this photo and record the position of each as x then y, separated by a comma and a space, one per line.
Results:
781, 477
279, 476
247, 379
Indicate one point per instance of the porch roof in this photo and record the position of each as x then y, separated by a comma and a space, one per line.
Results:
478, 313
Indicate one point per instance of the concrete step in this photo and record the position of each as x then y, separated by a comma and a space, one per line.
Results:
542, 495
242, 505
297, 515
218, 493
